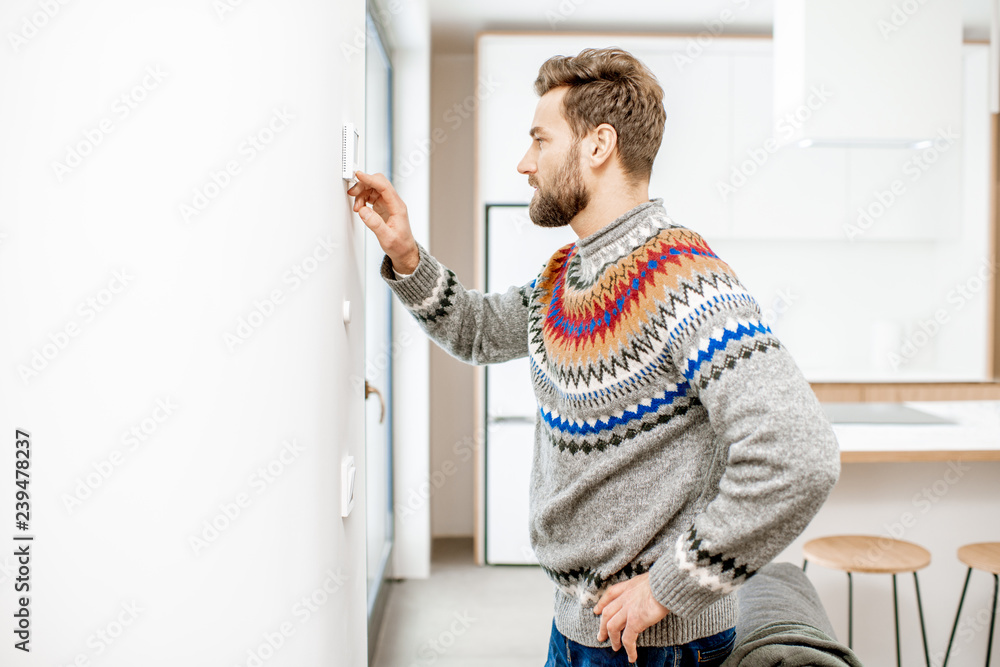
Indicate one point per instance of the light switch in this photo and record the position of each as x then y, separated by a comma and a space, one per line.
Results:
348, 472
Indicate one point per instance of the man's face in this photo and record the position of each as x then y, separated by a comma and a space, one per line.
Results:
552, 165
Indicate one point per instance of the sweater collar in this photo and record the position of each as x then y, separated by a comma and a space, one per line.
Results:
622, 235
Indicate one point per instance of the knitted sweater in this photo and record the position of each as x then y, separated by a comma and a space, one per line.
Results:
674, 434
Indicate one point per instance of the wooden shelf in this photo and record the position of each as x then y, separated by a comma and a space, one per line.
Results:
897, 392
917, 456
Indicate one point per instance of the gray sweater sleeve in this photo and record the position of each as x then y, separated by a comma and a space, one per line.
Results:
469, 325
779, 452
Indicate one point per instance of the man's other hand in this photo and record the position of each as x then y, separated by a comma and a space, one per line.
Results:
387, 217
626, 609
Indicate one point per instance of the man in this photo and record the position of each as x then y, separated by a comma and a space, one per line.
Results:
678, 447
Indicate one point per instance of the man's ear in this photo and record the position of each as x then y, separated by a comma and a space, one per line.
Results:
601, 145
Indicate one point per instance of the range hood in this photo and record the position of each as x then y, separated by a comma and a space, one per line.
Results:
867, 73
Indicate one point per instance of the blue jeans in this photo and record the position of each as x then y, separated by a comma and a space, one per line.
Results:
705, 652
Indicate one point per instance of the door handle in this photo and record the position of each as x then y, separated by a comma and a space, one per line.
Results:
511, 419
369, 389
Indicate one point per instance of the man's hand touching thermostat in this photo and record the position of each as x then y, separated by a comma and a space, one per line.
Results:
387, 217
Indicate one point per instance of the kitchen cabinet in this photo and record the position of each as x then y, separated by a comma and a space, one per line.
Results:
905, 194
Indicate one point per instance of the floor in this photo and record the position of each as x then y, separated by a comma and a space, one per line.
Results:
466, 614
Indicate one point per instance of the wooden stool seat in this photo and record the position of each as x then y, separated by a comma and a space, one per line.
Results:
981, 556
875, 555
867, 553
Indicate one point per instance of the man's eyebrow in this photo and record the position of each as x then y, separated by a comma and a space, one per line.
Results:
536, 130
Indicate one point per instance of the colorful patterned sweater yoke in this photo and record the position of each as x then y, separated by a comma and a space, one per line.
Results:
675, 436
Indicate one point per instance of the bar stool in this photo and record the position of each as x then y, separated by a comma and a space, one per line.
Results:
871, 554
981, 556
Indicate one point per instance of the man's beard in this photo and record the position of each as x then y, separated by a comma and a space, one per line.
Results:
558, 204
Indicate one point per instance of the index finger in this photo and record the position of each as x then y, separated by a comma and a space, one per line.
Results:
381, 185
609, 594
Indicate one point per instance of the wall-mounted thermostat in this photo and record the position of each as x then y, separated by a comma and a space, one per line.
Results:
350, 161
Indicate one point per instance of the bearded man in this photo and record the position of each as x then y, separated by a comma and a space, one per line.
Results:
677, 446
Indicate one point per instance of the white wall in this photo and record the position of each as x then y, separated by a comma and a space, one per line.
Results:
160, 335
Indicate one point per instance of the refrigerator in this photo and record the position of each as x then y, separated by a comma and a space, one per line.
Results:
516, 251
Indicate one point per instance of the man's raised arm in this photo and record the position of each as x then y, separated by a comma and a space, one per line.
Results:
474, 327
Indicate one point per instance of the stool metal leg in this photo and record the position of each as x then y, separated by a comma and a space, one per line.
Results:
895, 611
804, 563
850, 612
993, 619
920, 611
958, 614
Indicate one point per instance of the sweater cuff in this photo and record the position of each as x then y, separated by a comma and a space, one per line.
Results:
415, 287
677, 590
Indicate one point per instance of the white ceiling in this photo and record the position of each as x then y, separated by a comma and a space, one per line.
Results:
454, 23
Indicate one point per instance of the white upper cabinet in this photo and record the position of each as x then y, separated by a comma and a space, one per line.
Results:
905, 194
889, 72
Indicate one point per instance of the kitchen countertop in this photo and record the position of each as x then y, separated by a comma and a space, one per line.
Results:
974, 435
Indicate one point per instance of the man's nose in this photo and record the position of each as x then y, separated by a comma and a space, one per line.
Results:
526, 165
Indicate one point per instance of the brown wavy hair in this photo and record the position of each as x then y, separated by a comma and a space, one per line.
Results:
611, 86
